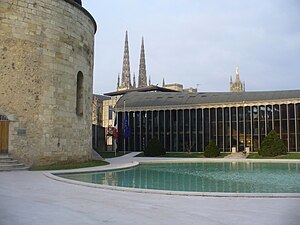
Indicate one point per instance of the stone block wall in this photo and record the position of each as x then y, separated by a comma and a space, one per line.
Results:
44, 44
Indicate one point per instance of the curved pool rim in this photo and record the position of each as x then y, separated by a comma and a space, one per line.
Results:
55, 176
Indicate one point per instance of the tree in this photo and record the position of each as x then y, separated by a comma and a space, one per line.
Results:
154, 148
212, 150
272, 145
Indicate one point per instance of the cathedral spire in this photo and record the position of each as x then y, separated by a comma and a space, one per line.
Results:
237, 86
126, 80
142, 69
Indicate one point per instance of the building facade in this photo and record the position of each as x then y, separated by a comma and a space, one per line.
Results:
46, 77
188, 121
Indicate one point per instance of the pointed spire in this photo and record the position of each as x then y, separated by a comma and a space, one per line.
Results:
237, 86
163, 83
142, 69
126, 80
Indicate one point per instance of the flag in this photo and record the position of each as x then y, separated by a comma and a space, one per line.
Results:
126, 127
116, 133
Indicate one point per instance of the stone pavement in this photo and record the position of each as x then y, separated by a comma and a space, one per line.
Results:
31, 198
238, 155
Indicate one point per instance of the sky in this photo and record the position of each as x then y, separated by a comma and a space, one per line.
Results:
199, 43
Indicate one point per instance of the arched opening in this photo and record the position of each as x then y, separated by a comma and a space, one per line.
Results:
4, 133
79, 94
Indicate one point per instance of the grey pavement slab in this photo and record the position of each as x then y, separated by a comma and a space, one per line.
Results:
31, 198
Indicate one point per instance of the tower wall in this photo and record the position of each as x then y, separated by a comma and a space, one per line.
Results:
44, 44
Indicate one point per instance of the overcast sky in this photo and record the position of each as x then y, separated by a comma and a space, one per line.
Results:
200, 42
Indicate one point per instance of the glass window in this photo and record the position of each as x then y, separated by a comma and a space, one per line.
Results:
199, 130
283, 112
291, 111
276, 112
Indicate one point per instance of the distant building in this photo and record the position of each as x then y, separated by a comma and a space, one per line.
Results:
125, 86
237, 86
97, 107
189, 121
179, 87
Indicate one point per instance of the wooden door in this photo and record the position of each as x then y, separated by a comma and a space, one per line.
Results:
4, 137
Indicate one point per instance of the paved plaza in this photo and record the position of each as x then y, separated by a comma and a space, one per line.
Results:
31, 198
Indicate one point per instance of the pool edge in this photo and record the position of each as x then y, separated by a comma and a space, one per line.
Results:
52, 175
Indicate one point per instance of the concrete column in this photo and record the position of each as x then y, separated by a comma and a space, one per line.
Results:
273, 119
141, 138
190, 130
134, 134
258, 133
296, 128
177, 133
230, 130
164, 128
223, 128
152, 126
280, 122
171, 132
251, 124
203, 144
288, 125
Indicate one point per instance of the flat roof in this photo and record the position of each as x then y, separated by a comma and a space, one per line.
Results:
169, 99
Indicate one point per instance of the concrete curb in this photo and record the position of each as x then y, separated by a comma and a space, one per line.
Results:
117, 166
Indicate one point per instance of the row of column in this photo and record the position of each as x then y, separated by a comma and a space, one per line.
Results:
230, 127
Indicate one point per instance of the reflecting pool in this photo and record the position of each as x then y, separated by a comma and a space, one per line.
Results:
233, 177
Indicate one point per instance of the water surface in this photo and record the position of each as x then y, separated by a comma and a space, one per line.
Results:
233, 177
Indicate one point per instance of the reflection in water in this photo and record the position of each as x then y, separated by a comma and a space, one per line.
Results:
234, 177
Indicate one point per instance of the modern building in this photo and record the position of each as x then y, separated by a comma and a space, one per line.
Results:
46, 81
126, 86
183, 121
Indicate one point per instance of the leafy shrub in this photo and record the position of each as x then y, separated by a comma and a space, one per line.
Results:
212, 150
154, 148
272, 145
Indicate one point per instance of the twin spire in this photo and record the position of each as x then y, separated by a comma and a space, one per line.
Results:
126, 77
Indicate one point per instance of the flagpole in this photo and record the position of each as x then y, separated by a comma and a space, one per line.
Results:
114, 138
124, 128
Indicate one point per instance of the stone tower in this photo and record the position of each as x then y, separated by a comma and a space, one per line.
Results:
142, 69
237, 86
46, 79
126, 80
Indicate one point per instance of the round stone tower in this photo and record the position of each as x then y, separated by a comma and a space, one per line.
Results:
46, 77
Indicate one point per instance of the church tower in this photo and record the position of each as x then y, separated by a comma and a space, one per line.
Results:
237, 86
126, 80
142, 69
